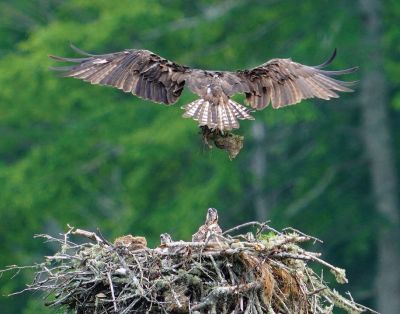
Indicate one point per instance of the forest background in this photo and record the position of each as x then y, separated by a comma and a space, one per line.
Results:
95, 157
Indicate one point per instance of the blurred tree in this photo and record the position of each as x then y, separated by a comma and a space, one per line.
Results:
379, 149
95, 157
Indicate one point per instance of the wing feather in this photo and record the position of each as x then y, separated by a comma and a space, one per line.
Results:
280, 82
291, 92
283, 82
140, 72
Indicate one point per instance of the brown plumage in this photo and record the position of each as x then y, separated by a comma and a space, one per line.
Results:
280, 82
131, 242
210, 229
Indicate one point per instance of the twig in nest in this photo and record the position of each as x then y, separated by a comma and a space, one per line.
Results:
247, 224
90, 235
217, 292
112, 291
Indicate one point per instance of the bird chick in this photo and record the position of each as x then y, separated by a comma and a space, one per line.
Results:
131, 242
210, 229
165, 238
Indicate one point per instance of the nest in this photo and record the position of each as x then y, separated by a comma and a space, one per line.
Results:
264, 271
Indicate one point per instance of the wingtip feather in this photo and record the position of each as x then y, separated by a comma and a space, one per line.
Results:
60, 69
327, 62
55, 57
80, 51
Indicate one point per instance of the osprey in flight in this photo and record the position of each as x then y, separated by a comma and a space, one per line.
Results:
280, 82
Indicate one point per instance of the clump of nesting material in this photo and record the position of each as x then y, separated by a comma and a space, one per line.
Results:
228, 141
264, 271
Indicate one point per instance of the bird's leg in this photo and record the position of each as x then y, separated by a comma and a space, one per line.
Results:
207, 134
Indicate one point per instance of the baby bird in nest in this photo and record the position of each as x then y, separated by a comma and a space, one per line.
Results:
165, 238
130, 242
210, 229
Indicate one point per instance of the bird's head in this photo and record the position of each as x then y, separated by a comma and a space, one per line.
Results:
212, 216
165, 238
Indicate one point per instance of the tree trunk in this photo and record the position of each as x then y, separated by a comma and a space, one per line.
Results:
379, 149
259, 168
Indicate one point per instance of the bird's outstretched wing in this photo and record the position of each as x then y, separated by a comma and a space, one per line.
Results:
283, 82
139, 72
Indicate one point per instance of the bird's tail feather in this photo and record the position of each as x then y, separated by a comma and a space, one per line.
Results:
223, 116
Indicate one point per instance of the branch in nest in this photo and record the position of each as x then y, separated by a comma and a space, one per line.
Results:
219, 292
87, 234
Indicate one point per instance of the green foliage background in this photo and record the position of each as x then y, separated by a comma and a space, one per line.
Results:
94, 157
